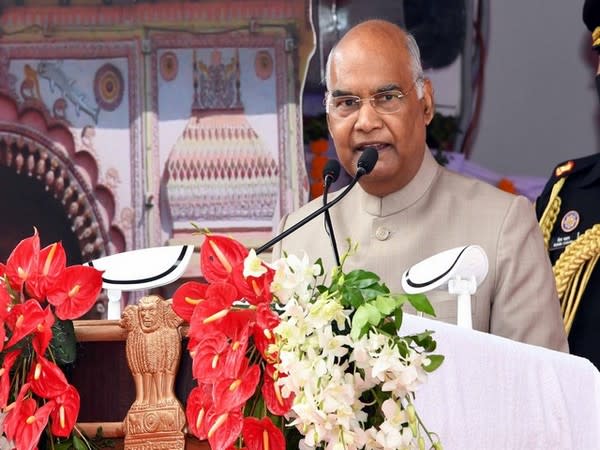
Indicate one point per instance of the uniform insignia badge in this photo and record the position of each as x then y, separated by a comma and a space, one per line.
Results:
569, 221
564, 168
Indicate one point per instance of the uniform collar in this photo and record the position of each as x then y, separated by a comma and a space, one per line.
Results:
408, 195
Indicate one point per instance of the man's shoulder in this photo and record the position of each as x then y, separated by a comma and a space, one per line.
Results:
574, 166
472, 188
316, 203
577, 170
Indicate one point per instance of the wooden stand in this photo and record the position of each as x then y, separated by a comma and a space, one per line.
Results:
152, 334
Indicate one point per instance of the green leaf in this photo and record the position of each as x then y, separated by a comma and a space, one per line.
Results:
64, 445
388, 327
398, 314
386, 304
63, 344
78, 443
361, 279
401, 299
424, 340
435, 361
365, 314
372, 293
403, 347
359, 320
357, 274
420, 303
352, 297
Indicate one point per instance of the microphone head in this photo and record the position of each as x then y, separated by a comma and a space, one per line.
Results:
331, 171
367, 161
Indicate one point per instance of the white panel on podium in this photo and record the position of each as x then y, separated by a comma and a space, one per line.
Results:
496, 394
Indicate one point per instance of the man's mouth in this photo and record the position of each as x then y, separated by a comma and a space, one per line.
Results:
379, 146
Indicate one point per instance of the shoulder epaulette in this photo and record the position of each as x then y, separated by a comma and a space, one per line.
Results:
564, 169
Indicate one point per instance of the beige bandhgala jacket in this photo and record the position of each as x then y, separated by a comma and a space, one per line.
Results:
436, 211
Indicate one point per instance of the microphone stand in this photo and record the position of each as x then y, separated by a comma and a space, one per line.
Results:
359, 173
328, 224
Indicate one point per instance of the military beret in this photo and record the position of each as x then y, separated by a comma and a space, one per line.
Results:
591, 18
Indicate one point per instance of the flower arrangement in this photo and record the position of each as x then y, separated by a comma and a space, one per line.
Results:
284, 360
39, 296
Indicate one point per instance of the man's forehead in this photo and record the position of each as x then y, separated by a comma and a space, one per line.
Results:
356, 77
391, 86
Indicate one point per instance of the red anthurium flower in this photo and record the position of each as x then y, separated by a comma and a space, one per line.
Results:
22, 264
271, 392
219, 255
5, 300
27, 424
11, 421
46, 378
231, 392
236, 320
210, 357
52, 263
43, 333
262, 434
186, 297
219, 298
199, 402
76, 291
223, 428
266, 317
65, 412
236, 355
254, 289
263, 334
9, 361
23, 319
2, 336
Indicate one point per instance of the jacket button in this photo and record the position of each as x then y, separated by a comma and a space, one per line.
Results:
382, 233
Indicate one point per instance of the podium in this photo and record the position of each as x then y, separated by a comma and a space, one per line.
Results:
490, 393
497, 394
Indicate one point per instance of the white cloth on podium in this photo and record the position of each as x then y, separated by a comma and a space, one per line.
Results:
492, 393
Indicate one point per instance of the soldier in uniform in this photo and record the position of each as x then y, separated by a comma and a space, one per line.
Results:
569, 213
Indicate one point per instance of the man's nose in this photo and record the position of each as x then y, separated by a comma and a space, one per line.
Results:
367, 118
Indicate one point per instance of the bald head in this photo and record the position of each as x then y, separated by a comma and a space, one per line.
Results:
375, 35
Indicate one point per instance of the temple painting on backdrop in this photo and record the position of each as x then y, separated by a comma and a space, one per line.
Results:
93, 172
219, 137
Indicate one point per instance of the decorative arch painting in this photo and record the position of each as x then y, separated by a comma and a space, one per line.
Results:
96, 101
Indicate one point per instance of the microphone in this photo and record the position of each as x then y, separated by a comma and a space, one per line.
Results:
331, 172
365, 165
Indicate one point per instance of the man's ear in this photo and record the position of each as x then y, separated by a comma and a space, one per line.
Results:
427, 101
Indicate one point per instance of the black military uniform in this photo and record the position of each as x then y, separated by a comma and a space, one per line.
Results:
576, 227
569, 213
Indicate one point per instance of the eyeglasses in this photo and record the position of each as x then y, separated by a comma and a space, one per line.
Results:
386, 102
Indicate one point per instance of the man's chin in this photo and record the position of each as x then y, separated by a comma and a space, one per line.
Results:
374, 185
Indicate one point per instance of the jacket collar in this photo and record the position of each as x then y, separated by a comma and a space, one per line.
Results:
405, 197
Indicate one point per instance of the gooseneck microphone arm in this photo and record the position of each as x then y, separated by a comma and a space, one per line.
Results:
331, 172
365, 164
